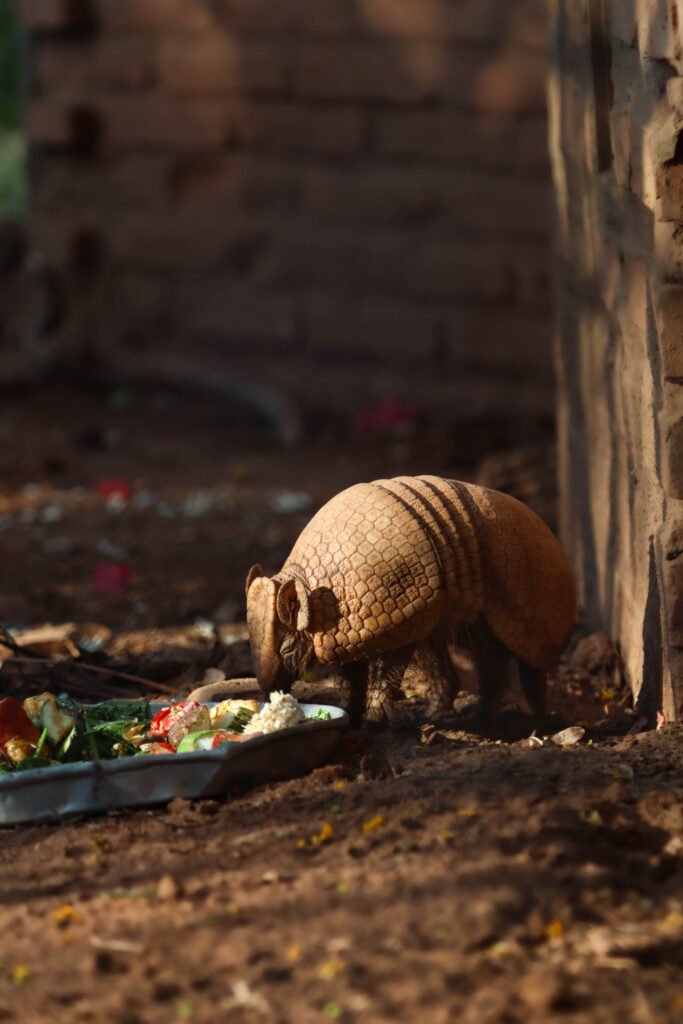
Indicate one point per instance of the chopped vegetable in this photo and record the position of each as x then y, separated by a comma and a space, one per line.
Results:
321, 715
102, 730
233, 714
177, 720
195, 716
15, 723
34, 705
161, 722
18, 749
157, 747
207, 739
46, 713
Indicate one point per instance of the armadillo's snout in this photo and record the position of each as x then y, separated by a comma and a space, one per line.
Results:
262, 623
268, 673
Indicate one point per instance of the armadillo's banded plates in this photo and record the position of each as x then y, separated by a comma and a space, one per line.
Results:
448, 515
529, 591
385, 562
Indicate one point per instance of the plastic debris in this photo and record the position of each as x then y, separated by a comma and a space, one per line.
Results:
197, 504
386, 416
288, 502
50, 514
568, 737
206, 629
115, 552
112, 577
115, 492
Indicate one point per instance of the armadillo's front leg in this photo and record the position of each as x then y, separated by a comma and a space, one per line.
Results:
441, 679
385, 677
355, 677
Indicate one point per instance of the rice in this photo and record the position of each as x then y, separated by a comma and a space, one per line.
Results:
282, 712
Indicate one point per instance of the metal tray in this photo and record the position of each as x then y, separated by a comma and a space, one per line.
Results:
49, 794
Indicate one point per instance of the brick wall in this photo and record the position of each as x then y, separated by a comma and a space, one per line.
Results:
616, 101
345, 198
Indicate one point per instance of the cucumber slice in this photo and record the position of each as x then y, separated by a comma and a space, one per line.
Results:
201, 740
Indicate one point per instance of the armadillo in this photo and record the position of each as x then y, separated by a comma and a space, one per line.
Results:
389, 570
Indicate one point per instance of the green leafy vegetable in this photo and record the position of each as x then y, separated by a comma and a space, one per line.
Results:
99, 730
321, 715
41, 742
241, 718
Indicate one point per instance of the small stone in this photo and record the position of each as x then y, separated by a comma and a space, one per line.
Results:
50, 514
374, 766
542, 989
168, 888
208, 807
197, 504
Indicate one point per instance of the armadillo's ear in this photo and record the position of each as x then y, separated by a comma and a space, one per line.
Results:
292, 604
253, 574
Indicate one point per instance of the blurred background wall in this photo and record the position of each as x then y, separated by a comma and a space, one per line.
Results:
345, 199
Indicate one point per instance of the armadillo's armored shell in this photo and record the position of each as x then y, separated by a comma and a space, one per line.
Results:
385, 562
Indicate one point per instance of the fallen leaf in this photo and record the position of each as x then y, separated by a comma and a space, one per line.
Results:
593, 818
325, 835
329, 969
64, 916
373, 823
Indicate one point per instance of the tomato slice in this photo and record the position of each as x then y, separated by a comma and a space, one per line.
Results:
161, 722
226, 737
165, 719
15, 723
157, 747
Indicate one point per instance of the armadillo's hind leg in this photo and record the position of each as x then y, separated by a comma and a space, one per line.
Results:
532, 681
494, 665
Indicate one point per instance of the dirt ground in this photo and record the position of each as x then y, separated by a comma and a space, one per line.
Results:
424, 874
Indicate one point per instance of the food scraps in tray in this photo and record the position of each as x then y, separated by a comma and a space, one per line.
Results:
48, 730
